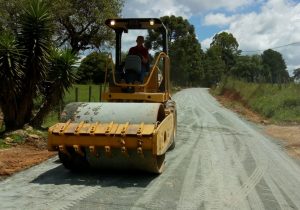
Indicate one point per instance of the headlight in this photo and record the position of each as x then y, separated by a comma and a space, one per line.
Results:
112, 22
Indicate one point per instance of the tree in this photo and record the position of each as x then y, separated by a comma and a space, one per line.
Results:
92, 68
30, 57
10, 12
60, 77
24, 64
186, 62
275, 65
296, 74
80, 24
248, 68
227, 46
214, 67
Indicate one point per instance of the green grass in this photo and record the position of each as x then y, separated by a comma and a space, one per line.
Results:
3, 145
83, 93
16, 139
83, 96
280, 103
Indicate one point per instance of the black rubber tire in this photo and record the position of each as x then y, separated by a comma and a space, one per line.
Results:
73, 162
65, 160
172, 146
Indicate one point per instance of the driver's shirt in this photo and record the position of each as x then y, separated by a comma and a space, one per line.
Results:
139, 51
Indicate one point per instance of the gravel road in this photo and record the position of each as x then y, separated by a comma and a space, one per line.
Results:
220, 162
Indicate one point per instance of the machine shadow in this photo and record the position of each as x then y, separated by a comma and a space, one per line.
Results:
102, 178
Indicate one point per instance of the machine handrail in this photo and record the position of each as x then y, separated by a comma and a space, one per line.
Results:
154, 68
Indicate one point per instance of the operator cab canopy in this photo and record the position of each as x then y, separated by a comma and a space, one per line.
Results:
120, 25
134, 23
123, 25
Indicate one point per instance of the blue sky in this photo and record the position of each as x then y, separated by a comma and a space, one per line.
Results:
256, 24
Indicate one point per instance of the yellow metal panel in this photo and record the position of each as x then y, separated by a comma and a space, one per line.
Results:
100, 129
114, 129
84, 129
131, 142
93, 128
107, 134
71, 128
153, 97
163, 135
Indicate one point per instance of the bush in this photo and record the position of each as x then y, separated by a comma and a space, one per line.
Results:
280, 103
92, 68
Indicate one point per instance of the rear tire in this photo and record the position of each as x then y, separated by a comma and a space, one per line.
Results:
172, 145
73, 162
159, 164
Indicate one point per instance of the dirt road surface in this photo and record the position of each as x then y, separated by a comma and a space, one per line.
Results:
220, 162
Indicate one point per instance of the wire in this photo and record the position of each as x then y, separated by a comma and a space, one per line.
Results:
290, 44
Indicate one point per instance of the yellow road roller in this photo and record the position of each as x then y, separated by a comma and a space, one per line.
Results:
134, 125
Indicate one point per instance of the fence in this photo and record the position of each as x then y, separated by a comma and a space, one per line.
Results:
84, 93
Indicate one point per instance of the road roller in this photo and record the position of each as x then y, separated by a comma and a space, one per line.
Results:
134, 125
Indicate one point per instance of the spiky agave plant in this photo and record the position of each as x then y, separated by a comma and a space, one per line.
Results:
60, 78
35, 39
24, 62
10, 77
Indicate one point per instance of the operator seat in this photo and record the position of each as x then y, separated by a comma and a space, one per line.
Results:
133, 68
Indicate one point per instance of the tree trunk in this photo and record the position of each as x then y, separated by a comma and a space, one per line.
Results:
51, 99
38, 119
10, 114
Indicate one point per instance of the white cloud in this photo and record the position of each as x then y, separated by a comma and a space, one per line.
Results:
277, 24
147, 8
218, 19
187, 8
197, 6
206, 43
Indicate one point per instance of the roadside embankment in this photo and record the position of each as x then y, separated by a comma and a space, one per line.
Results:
275, 106
279, 103
22, 149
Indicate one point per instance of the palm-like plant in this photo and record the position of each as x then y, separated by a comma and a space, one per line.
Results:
35, 40
25, 65
10, 77
60, 78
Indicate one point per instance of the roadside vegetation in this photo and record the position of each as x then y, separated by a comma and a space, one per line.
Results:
10, 139
278, 102
39, 61
70, 96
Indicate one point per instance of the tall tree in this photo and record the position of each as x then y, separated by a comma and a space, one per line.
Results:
25, 62
214, 66
186, 62
248, 68
10, 12
60, 77
81, 23
296, 73
275, 64
227, 46
92, 68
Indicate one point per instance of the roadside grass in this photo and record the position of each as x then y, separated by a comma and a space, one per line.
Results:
83, 93
279, 103
70, 96
13, 139
3, 145
53, 116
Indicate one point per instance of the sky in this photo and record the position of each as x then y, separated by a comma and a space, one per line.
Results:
257, 25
